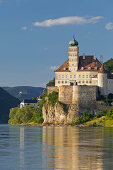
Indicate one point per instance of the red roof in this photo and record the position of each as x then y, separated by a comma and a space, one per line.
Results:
64, 67
89, 63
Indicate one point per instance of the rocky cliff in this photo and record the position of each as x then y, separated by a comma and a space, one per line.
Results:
61, 113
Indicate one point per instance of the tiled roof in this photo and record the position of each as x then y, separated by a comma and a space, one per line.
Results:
64, 67
84, 64
89, 63
29, 101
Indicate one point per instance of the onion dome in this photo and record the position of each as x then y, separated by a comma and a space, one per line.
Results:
73, 42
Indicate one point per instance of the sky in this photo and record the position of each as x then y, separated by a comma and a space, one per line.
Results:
34, 36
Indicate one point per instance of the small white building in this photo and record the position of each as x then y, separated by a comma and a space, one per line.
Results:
28, 102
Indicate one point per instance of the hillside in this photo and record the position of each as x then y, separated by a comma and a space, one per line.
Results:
109, 65
6, 102
24, 92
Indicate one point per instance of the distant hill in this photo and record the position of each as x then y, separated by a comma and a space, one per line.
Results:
109, 65
6, 102
24, 92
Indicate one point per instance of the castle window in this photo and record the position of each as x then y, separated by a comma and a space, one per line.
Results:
89, 76
66, 82
82, 76
58, 82
82, 81
62, 82
86, 81
90, 81
79, 76
86, 76
70, 76
79, 82
62, 76
66, 76
74, 76
59, 76
82, 68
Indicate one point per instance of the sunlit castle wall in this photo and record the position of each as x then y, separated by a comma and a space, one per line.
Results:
82, 95
103, 83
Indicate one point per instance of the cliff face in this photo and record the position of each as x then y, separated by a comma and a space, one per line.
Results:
61, 113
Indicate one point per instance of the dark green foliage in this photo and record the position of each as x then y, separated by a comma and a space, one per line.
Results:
6, 103
28, 92
110, 96
53, 98
26, 115
85, 117
51, 83
44, 95
109, 65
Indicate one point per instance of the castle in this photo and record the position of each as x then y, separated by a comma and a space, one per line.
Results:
83, 70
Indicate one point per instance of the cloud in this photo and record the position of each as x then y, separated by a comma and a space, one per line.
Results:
68, 20
24, 28
53, 68
109, 26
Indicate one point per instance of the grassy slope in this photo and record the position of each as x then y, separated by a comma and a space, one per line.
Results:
102, 121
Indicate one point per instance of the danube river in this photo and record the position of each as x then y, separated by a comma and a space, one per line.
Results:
49, 148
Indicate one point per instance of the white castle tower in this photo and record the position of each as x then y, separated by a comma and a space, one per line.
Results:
73, 55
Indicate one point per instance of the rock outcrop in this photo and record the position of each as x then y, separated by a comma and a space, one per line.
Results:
61, 113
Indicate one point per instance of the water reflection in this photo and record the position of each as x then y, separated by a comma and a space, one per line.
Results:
21, 147
51, 148
68, 148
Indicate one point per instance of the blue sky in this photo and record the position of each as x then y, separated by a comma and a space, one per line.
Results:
34, 36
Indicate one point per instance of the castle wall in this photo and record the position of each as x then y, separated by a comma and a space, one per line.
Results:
50, 89
110, 86
103, 83
65, 94
85, 96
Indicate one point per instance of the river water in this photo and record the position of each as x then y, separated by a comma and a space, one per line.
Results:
49, 148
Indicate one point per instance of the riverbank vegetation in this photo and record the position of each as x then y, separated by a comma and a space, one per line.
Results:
105, 118
26, 115
30, 114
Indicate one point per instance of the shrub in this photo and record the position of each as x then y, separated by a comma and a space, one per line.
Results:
25, 115
109, 114
51, 83
53, 98
110, 96
83, 118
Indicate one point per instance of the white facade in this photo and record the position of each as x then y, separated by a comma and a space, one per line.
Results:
83, 70
22, 104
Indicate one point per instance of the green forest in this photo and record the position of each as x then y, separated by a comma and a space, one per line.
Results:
109, 65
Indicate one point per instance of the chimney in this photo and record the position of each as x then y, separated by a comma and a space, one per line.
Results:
101, 59
84, 56
94, 56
